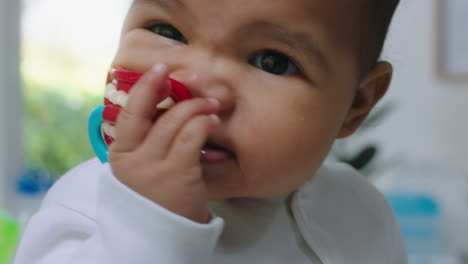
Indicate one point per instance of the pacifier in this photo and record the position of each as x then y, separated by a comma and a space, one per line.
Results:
101, 122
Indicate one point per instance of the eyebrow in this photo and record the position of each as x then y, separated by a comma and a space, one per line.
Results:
298, 41
170, 4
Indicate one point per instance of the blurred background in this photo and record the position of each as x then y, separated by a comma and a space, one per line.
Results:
54, 55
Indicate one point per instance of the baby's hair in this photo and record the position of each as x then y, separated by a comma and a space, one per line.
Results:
379, 16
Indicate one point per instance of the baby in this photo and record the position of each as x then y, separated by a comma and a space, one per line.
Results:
236, 174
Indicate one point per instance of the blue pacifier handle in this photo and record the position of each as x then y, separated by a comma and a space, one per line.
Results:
94, 131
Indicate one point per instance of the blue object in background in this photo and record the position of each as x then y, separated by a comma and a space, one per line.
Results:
34, 181
31, 187
420, 218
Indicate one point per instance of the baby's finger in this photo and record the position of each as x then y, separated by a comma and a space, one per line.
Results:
149, 91
134, 122
191, 139
166, 128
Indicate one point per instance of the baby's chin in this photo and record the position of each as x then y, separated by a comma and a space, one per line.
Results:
225, 186
217, 196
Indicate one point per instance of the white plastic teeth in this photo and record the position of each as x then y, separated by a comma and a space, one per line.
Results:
120, 98
108, 129
166, 104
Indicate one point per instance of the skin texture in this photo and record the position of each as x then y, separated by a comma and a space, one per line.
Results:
279, 127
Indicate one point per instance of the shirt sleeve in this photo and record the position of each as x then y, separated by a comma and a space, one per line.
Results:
126, 228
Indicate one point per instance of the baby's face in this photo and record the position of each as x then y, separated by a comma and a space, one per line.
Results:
284, 71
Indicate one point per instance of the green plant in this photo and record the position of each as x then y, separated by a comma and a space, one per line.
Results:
55, 129
60, 88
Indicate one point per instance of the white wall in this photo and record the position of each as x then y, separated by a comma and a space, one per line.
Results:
430, 124
424, 141
10, 107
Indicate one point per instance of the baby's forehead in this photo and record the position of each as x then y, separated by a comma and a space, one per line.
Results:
330, 21
312, 6
317, 10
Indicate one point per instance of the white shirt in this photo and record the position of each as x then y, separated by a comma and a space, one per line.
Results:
89, 216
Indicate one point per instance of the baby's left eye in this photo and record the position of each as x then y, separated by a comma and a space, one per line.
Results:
168, 31
274, 62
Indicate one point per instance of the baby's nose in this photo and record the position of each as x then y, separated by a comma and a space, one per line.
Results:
202, 84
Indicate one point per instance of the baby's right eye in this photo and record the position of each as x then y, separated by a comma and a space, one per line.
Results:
168, 31
274, 62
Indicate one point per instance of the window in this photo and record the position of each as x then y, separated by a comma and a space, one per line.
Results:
66, 48
10, 107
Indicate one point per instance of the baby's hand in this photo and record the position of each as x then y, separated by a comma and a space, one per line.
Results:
161, 160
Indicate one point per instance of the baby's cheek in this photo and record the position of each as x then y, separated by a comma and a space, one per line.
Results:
289, 152
141, 49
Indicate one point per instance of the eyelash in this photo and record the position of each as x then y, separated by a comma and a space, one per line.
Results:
152, 26
292, 67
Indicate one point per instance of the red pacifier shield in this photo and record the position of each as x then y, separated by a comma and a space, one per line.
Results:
121, 81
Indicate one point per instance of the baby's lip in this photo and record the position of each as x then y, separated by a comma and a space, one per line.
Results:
219, 148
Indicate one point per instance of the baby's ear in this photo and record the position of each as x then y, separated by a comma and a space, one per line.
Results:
372, 88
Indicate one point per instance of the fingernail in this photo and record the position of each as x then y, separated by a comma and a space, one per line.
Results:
213, 101
159, 68
215, 118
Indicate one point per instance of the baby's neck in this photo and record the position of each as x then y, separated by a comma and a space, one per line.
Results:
246, 220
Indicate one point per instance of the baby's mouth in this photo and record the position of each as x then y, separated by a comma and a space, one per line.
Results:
211, 152
216, 152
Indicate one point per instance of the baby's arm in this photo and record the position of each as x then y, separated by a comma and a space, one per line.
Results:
89, 217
